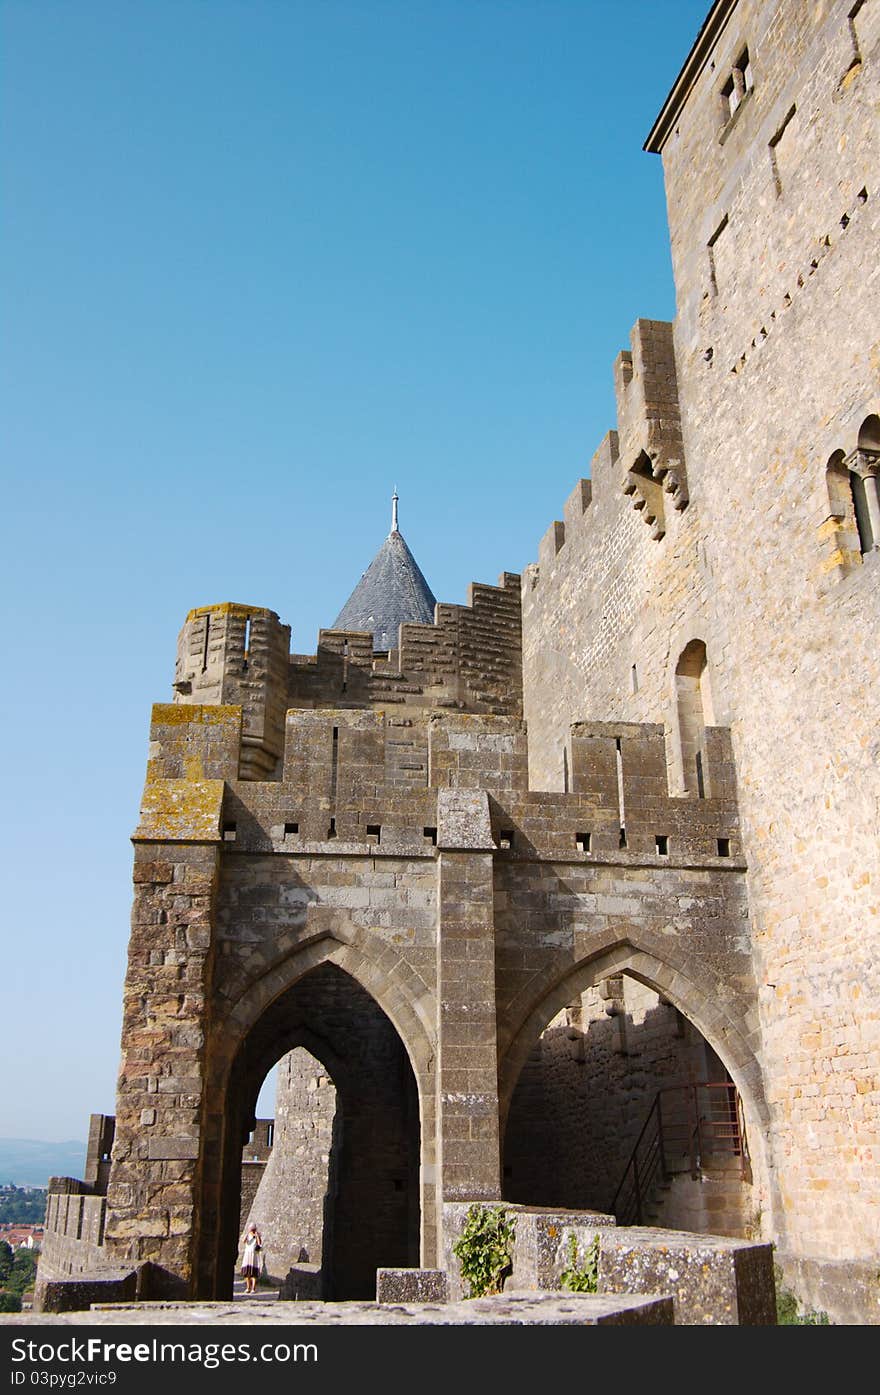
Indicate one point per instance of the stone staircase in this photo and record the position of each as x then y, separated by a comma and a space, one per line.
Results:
689, 1169
718, 1201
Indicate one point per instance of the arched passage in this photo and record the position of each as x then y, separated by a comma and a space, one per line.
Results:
372, 1196
582, 1075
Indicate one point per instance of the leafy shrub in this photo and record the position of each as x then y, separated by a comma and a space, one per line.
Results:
788, 1312
485, 1249
582, 1278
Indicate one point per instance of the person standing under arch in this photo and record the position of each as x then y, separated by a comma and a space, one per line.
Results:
252, 1257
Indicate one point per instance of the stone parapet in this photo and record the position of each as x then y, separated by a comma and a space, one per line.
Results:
715, 1281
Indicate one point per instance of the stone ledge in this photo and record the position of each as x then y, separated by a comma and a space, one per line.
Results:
506, 1310
412, 1286
715, 1281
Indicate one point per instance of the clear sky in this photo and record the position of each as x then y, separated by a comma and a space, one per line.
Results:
262, 261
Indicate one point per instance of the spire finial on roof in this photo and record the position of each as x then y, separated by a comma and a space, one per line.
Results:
392, 592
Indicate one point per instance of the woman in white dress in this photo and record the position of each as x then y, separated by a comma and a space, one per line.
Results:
251, 1259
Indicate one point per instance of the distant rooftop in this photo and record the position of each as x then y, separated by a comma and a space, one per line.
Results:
391, 592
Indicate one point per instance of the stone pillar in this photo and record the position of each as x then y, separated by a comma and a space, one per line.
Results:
468, 1145
153, 1195
872, 499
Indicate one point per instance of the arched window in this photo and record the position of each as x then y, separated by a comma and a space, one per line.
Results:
869, 434
852, 530
694, 703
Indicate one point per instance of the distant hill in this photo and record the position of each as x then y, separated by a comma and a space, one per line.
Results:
29, 1162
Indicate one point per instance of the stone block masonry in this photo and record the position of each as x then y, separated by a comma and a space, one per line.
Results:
756, 608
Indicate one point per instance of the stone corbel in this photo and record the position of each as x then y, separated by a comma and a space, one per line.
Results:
646, 494
670, 474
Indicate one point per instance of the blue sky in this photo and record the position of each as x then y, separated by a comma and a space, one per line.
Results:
262, 260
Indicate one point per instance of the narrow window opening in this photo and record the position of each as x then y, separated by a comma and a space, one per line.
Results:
582, 841
247, 643
738, 85
862, 196
774, 143
634, 679
205, 646
290, 828
694, 714
270, 1132
374, 830
505, 838
710, 250
431, 835
620, 803
724, 847
661, 843
331, 831
334, 762
229, 832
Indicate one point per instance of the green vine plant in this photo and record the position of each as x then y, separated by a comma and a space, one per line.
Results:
581, 1278
788, 1310
485, 1249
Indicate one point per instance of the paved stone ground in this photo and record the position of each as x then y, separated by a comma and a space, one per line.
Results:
512, 1310
262, 1295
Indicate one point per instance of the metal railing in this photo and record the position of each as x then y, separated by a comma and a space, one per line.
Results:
687, 1128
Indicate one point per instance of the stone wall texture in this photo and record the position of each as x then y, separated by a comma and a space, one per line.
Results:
773, 215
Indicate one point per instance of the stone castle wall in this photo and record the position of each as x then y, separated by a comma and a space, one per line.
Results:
796, 607
773, 211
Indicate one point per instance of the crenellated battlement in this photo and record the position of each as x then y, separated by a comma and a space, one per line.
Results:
470, 659
361, 781
642, 460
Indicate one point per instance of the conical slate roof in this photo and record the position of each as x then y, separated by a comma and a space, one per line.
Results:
391, 592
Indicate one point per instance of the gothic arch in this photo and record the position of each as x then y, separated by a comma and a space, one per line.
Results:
700, 1003
397, 991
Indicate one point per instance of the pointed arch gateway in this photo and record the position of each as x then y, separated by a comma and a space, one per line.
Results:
576, 1091
378, 1211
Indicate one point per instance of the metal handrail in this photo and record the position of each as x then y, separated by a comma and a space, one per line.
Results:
717, 1128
